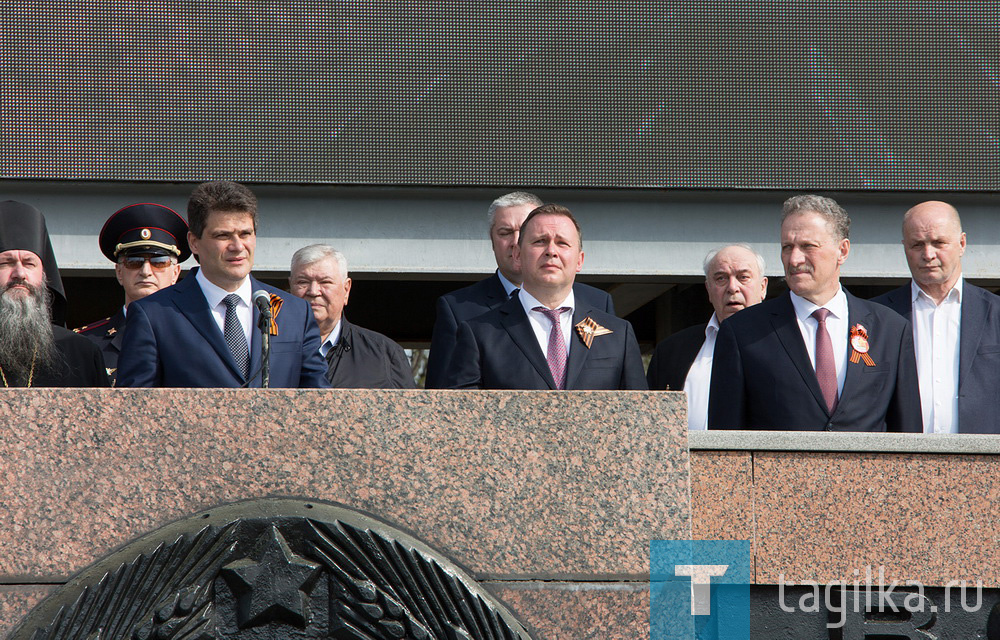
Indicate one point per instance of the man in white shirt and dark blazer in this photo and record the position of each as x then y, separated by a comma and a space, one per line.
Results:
506, 215
734, 278
956, 326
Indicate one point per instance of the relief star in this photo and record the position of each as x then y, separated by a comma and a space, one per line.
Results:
273, 584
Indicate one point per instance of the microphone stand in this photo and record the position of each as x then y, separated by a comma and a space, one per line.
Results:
264, 322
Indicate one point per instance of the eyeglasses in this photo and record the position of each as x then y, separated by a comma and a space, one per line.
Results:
134, 263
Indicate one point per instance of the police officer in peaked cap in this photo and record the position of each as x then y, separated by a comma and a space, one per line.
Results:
147, 242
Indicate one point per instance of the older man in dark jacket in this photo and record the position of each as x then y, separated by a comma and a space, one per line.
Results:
357, 358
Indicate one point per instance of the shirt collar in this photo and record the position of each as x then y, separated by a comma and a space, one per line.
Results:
529, 302
508, 286
955, 293
334, 337
837, 306
713, 325
214, 294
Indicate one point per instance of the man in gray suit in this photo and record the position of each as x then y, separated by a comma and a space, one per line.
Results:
956, 326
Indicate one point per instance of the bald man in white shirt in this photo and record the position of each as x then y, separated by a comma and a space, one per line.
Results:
956, 326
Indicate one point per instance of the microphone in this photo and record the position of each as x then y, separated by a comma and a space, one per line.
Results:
262, 300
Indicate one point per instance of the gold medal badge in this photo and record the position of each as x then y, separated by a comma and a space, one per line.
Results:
587, 329
859, 345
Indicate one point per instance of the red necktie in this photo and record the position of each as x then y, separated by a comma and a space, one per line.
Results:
556, 355
826, 372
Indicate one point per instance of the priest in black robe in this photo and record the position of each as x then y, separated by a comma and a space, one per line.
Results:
35, 352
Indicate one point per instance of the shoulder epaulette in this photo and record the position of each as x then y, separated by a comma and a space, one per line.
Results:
93, 325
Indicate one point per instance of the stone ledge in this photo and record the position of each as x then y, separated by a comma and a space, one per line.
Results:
968, 443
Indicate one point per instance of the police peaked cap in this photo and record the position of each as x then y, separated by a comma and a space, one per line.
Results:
145, 228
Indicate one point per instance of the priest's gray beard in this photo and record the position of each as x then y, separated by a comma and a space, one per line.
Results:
26, 333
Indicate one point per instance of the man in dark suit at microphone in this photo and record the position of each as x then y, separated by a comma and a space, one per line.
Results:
204, 331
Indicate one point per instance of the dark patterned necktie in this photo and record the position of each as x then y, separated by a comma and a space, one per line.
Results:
826, 371
556, 355
235, 338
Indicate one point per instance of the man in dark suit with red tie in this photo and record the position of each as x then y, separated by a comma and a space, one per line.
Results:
545, 337
506, 215
816, 358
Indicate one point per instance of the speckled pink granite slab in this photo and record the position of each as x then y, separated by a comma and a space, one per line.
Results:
17, 600
567, 611
509, 484
722, 495
930, 518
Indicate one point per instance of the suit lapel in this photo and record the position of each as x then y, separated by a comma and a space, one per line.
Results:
495, 293
515, 321
336, 353
578, 352
855, 315
688, 352
191, 302
786, 327
901, 301
974, 311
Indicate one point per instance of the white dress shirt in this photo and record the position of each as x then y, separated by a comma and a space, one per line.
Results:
937, 330
215, 296
699, 379
541, 324
836, 326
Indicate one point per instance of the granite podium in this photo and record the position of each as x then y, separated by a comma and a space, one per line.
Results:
547, 500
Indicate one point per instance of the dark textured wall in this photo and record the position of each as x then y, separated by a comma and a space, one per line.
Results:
623, 93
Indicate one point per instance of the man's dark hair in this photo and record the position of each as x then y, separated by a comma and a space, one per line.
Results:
550, 210
222, 196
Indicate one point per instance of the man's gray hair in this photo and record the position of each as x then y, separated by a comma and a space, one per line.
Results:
828, 208
513, 199
710, 256
316, 252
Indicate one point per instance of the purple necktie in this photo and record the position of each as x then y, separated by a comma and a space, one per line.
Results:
826, 372
556, 354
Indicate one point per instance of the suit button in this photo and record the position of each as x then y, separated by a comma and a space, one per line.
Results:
829, 425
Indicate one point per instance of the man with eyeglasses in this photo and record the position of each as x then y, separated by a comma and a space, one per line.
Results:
147, 243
